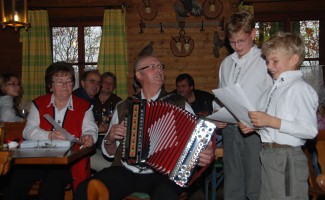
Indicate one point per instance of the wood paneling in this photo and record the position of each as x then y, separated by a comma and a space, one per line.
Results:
287, 6
74, 3
201, 64
10, 51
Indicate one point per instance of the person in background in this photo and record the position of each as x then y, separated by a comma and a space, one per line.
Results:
106, 100
90, 85
104, 106
246, 67
10, 97
122, 179
200, 101
286, 117
70, 112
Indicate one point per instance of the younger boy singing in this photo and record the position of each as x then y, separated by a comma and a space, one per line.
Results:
286, 118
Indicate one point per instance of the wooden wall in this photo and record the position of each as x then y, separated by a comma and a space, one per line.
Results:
201, 64
10, 52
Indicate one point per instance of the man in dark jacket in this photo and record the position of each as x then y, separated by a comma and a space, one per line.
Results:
200, 101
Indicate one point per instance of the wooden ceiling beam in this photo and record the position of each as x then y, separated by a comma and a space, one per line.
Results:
286, 6
75, 3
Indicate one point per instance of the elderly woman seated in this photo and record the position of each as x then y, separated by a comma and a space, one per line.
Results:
70, 112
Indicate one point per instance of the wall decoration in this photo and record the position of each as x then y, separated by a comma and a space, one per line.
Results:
181, 24
181, 45
218, 43
148, 9
186, 8
147, 50
212, 8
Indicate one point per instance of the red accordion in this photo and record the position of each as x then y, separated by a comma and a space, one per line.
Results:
166, 138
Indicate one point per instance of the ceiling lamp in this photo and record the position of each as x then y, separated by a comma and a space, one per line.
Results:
14, 14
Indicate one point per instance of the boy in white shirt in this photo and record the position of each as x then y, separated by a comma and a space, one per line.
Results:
286, 118
246, 67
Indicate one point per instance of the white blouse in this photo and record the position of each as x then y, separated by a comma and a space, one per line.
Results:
7, 111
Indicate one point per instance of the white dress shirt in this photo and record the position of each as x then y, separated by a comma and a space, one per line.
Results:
249, 71
115, 121
295, 102
32, 131
7, 111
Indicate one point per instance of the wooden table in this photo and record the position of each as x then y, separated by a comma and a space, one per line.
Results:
42, 156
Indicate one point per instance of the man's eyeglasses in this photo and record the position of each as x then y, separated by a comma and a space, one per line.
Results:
14, 84
239, 42
61, 84
159, 66
93, 82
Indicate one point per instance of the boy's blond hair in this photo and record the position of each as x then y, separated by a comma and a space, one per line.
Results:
288, 43
240, 21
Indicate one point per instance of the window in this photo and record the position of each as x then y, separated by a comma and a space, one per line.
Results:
309, 31
264, 30
78, 46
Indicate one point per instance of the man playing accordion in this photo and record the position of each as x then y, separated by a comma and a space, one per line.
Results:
123, 179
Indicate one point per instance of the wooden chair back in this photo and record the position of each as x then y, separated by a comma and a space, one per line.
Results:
14, 130
97, 190
314, 190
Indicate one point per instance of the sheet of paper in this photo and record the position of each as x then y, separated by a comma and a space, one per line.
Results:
45, 143
40, 152
236, 101
222, 115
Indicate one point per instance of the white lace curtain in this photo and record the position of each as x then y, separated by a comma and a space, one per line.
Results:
314, 76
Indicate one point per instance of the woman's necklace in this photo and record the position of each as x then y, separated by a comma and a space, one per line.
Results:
103, 98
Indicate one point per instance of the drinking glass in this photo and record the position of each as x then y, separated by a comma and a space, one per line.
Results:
24, 113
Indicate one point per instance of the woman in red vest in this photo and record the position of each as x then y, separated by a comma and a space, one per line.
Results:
70, 112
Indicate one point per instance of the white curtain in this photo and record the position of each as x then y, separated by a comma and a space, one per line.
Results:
314, 76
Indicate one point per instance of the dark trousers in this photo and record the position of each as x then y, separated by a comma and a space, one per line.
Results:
242, 165
121, 182
53, 182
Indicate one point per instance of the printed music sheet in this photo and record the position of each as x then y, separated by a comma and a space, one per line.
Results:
236, 101
223, 115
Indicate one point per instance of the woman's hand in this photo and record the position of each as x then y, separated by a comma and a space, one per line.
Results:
56, 135
87, 140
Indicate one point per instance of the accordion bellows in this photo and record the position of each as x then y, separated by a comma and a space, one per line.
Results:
166, 138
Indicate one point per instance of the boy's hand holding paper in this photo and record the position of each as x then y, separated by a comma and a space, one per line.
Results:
236, 101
